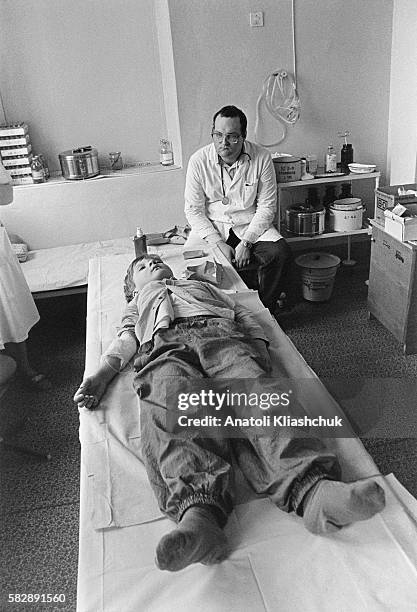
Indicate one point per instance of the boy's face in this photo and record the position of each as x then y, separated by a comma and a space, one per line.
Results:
150, 269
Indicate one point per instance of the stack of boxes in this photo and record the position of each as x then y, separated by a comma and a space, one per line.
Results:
16, 152
396, 210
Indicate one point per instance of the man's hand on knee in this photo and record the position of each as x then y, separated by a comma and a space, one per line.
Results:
242, 255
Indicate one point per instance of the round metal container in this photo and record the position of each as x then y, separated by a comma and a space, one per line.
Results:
346, 215
347, 204
79, 163
287, 168
318, 271
305, 221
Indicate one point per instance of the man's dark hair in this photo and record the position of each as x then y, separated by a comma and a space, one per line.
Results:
233, 111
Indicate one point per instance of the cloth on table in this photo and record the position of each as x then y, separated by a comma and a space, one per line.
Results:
271, 549
18, 312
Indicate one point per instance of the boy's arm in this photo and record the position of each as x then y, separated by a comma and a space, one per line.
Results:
93, 387
125, 345
245, 317
113, 360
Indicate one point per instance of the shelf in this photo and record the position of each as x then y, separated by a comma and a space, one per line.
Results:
105, 173
326, 234
330, 179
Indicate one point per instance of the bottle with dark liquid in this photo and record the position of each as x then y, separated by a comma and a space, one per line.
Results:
140, 243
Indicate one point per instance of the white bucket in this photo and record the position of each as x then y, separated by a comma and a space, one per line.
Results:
346, 215
318, 271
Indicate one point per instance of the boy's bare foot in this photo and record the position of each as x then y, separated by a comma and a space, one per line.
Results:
197, 539
331, 505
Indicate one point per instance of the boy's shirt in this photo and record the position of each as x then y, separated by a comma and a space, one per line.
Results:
153, 309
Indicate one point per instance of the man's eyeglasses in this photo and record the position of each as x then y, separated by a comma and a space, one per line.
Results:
233, 138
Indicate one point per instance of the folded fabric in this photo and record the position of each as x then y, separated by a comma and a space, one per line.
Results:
208, 271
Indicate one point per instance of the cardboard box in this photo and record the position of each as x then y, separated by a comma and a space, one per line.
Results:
402, 227
387, 198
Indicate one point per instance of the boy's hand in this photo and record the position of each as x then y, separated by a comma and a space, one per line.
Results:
90, 392
264, 358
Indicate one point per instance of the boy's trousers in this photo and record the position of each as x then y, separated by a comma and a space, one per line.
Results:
191, 470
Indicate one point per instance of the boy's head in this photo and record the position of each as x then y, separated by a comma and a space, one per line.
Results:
142, 271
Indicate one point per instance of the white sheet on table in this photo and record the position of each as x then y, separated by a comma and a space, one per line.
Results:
276, 564
67, 266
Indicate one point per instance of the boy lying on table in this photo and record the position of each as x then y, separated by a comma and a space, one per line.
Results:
191, 329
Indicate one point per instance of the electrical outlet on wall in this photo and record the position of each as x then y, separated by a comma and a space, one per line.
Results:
256, 20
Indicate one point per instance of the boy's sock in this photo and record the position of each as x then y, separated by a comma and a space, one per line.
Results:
331, 505
197, 539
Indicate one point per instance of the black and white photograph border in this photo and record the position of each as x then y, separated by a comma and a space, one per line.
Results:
139, 81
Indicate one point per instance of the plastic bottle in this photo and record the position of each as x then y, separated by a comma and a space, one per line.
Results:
38, 171
331, 163
166, 156
140, 243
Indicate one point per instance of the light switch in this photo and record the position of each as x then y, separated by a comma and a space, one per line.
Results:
256, 20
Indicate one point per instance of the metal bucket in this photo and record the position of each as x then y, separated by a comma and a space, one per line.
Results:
318, 272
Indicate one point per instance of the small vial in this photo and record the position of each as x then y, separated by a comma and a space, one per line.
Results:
38, 171
45, 166
331, 163
166, 156
139, 242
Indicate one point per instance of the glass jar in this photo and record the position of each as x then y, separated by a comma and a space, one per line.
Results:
166, 156
38, 171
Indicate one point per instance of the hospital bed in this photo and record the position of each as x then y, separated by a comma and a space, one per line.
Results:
276, 564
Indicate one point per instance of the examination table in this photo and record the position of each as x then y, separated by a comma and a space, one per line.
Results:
276, 564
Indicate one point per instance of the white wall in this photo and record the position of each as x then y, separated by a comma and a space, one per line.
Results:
343, 57
83, 73
402, 143
343, 52
71, 212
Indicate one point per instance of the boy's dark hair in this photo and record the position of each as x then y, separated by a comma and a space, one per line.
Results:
129, 286
233, 111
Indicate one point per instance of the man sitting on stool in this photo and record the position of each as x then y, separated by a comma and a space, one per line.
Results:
231, 201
